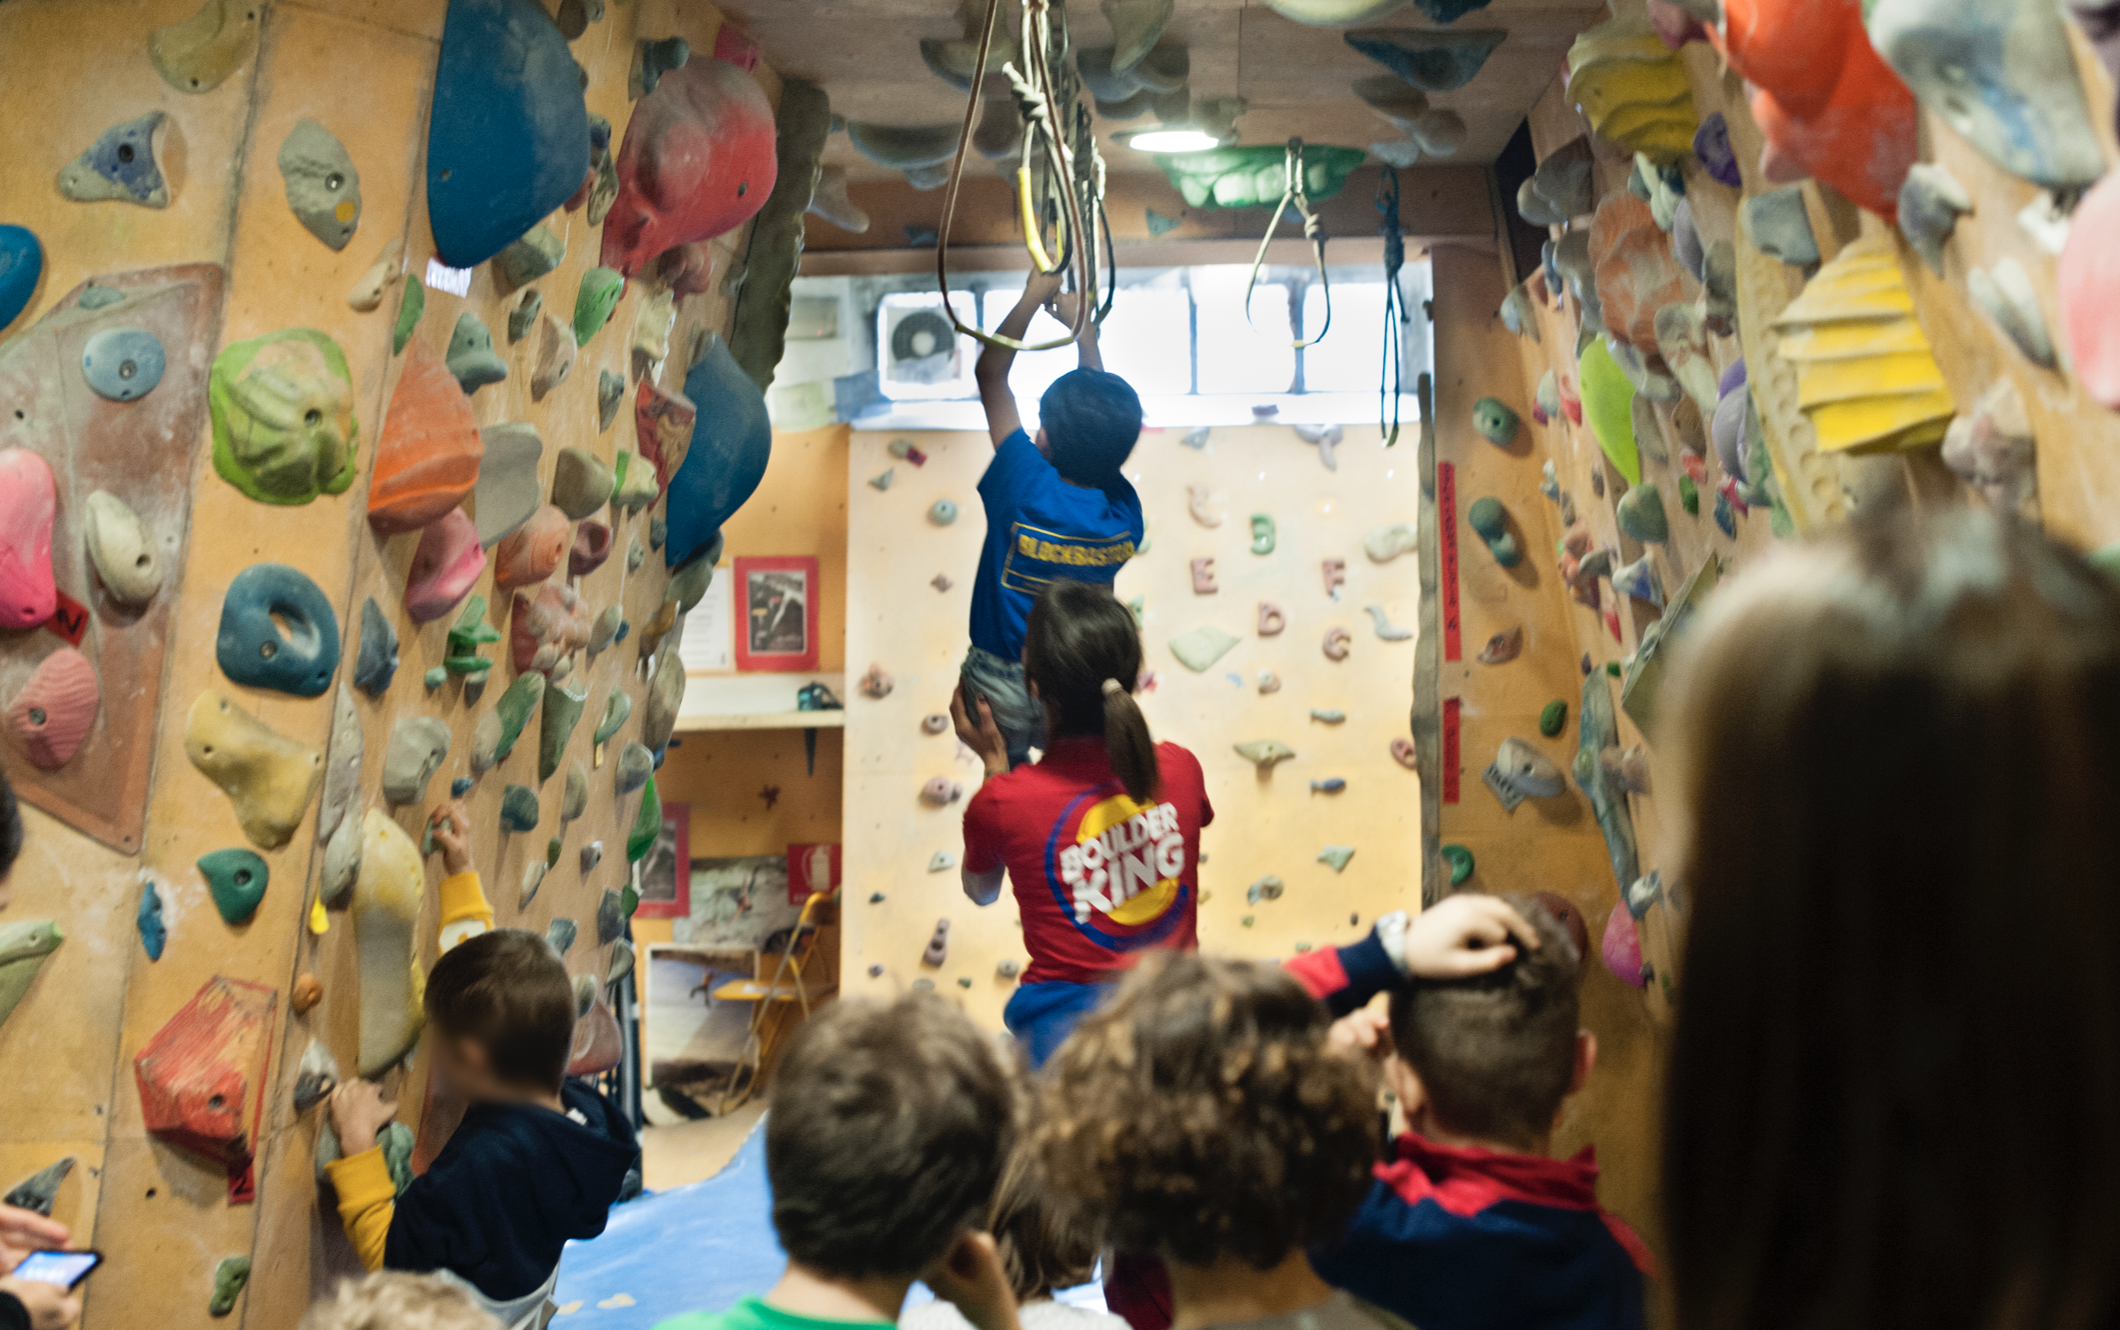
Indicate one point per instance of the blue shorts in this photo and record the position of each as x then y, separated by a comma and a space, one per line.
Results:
1043, 1015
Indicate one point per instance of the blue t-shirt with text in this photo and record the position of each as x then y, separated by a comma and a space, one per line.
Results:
1040, 529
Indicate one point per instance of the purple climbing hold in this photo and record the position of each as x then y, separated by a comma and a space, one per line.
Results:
1711, 143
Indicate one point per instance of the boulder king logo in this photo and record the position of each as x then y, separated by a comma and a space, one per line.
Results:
1117, 868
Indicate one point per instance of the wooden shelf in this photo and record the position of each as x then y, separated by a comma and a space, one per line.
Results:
756, 702
765, 720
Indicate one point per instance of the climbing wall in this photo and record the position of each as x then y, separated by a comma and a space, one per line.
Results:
165, 1214
1266, 824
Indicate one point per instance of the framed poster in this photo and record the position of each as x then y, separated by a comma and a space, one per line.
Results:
665, 871
776, 613
737, 903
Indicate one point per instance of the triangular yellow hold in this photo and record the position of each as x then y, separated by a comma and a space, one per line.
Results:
1866, 377
1633, 89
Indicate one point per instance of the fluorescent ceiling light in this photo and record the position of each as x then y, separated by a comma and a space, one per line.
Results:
1172, 140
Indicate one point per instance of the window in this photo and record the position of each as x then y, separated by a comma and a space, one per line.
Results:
1181, 336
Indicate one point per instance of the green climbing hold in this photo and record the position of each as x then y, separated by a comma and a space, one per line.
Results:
1490, 521
552, 849
1496, 423
519, 808
436, 677
1262, 533
1612, 668
229, 1279
1689, 496
237, 880
471, 631
617, 707
1256, 176
563, 711
283, 423
513, 711
594, 301
628, 900
409, 310
1640, 512
647, 824
1552, 718
1460, 860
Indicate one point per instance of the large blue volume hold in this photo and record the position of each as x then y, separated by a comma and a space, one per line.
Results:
731, 440
21, 263
278, 632
508, 137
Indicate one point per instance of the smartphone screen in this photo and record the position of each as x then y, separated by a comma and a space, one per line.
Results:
64, 1268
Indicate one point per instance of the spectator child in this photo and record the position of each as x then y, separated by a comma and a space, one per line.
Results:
388, 1300
885, 1138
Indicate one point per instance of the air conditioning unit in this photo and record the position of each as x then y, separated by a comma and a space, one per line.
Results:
920, 346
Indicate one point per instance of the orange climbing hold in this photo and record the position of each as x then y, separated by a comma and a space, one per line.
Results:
427, 460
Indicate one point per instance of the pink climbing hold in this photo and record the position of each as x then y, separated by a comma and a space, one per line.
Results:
547, 628
2089, 278
698, 160
29, 500
1622, 947
445, 567
56, 709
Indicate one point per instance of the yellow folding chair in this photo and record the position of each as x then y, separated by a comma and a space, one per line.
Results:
774, 1000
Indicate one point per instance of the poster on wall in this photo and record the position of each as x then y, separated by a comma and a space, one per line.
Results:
811, 869
737, 903
708, 645
776, 613
665, 886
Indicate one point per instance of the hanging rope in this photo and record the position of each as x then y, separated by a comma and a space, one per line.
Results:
1389, 382
1059, 176
1295, 195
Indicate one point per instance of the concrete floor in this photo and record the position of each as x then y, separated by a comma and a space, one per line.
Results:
685, 1152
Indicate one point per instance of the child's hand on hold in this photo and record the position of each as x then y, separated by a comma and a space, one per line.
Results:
452, 836
982, 736
970, 1276
1461, 936
357, 1114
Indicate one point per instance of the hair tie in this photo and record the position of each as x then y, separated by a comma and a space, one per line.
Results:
1113, 686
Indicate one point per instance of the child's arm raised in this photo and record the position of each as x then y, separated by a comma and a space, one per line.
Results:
994, 361
465, 911
1456, 938
1087, 356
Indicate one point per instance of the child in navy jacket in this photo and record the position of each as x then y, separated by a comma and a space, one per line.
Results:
1469, 1224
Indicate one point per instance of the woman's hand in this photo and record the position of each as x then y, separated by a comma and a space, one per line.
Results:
1464, 935
983, 737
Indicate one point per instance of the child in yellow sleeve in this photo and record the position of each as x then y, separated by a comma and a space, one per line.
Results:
538, 1159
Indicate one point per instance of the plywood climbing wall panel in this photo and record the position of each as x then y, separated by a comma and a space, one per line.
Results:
364, 69
1264, 825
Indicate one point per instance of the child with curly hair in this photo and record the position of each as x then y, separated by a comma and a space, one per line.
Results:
1203, 1113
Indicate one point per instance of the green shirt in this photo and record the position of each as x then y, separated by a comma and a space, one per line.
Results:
754, 1314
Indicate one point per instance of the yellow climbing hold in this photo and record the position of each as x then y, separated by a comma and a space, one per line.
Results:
1633, 89
386, 905
267, 776
319, 922
1865, 375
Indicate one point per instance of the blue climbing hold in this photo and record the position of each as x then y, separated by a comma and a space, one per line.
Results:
154, 934
123, 363
731, 440
121, 165
21, 263
508, 136
99, 297
278, 632
460, 787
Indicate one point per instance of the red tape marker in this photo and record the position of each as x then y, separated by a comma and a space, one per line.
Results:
1447, 543
1450, 750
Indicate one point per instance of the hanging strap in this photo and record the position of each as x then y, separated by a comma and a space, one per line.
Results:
1044, 112
1295, 194
1389, 382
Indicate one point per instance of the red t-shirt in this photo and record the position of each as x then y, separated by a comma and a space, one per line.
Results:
1097, 876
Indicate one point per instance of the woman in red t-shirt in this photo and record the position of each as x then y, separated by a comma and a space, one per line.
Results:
1101, 836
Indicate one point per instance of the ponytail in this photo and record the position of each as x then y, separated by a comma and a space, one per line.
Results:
1082, 649
1133, 753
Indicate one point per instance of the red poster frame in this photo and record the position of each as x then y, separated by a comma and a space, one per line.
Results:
769, 662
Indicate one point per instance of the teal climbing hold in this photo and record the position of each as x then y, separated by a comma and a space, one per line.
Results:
236, 877
21, 264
